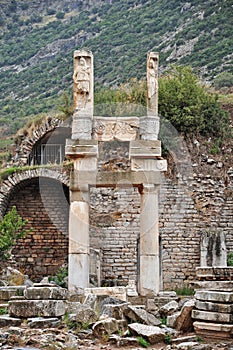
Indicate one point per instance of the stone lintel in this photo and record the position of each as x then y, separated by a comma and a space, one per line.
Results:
225, 297
81, 148
145, 149
212, 316
114, 179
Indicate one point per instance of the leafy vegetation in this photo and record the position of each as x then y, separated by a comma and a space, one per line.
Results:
12, 227
143, 342
37, 44
230, 259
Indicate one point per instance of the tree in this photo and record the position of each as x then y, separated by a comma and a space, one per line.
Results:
12, 227
188, 104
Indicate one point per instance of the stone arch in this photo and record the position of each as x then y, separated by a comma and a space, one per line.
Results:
12, 183
26, 140
41, 197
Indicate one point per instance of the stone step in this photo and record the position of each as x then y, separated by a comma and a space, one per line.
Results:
213, 330
212, 285
212, 316
216, 296
215, 307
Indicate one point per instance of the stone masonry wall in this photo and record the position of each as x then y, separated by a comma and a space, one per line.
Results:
114, 231
186, 209
44, 204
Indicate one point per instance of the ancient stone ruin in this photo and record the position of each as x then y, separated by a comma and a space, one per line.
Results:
144, 172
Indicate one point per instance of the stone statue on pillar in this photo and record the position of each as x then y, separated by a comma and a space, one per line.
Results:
83, 95
152, 84
149, 125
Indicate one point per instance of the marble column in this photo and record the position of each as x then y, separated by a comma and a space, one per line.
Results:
149, 279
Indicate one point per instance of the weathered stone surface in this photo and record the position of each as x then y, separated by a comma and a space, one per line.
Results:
172, 319
6, 320
13, 277
215, 307
137, 314
6, 293
114, 311
225, 297
150, 333
212, 285
213, 330
36, 308
116, 292
181, 320
40, 322
187, 345
212, 316
85, 314
90, 300
120, 341
169, 309
46, 293
105, 327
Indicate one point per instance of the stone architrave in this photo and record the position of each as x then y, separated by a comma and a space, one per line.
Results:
83, 78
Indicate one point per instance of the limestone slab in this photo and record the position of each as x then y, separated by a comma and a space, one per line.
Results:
116, 292
215, 307
45, 293
225, 297
213, 330
148, 164
36, 308
6, 321
152, 334
212, 316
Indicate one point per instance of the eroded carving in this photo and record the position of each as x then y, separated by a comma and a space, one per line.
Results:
122, 130
152, 83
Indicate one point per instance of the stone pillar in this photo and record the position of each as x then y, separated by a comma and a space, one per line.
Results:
83, 95
79, 239
84, 155
149, 279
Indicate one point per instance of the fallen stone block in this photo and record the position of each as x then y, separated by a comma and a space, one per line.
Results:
212, 316
169, 308
187, 345
225, 297
36, 308
172, 319
213, 330
6, 321
137, 314
105, 327
121, 341
184, 321
85, 314
114, 311
46, 293
152, 334
116, 292
40, 322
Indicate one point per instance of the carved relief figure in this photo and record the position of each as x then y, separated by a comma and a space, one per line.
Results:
152, 77
82, 80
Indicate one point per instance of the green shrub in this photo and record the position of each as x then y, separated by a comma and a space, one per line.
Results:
12, 227
143, 342
230, 259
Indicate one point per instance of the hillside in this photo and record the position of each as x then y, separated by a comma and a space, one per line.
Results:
38, 39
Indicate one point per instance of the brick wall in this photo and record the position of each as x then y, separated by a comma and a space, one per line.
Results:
44, 204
